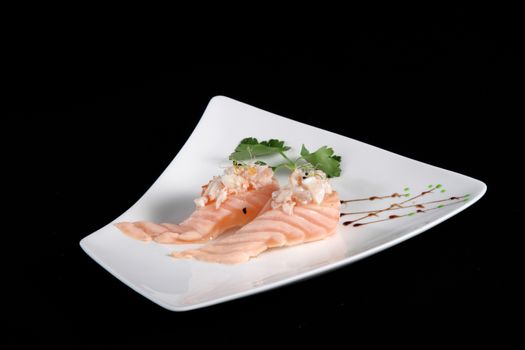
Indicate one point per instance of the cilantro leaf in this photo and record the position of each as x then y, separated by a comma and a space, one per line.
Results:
250, 148
323, 159
275, 143
249, 141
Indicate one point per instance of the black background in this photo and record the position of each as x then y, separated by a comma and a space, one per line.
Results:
99, 116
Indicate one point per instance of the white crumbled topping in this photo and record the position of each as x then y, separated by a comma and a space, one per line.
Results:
200, 202
304, 187
236, 179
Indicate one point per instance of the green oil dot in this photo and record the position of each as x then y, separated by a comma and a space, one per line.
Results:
440, 206
438, 186
429, 186
465, 200
407, 195
443, 191
406, 189
467, 195
410, 214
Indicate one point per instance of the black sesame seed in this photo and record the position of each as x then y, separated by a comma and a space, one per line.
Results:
244, 210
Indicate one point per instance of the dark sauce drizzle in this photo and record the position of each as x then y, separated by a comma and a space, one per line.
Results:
421, 207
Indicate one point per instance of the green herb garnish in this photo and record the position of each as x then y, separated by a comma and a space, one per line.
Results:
322, 159
250, 148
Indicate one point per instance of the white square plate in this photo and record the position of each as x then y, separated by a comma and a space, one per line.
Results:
180, 285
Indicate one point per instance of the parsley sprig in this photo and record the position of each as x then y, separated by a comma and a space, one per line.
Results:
322, 159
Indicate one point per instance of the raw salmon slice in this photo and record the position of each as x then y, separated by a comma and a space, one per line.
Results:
207, 222
272, 228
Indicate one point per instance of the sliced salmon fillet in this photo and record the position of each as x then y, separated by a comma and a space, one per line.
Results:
207, 222
272, 228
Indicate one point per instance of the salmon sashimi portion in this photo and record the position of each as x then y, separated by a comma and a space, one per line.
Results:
204, 223
273, 228
227, 201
